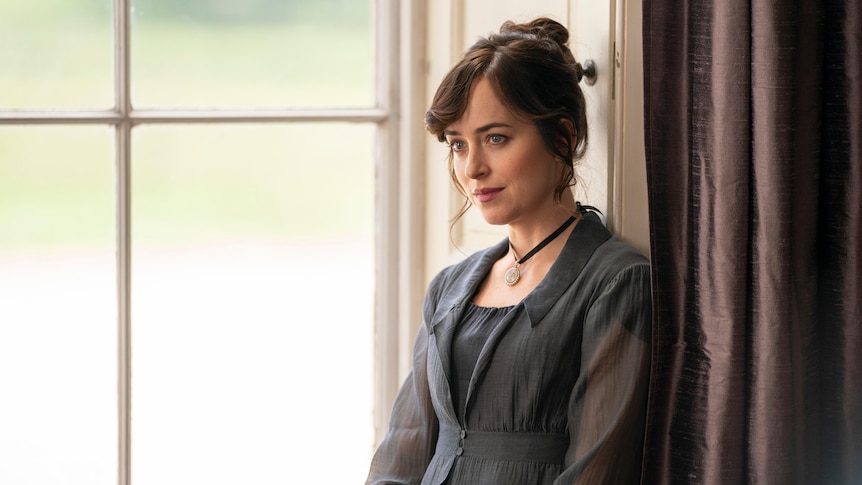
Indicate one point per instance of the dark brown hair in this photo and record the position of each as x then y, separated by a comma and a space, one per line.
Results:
533, 72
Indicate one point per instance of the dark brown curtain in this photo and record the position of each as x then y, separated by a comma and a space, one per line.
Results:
754, 165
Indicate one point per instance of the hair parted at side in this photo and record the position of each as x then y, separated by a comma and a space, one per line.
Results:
536, 76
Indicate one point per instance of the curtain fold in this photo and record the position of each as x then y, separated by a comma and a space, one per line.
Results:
753, 124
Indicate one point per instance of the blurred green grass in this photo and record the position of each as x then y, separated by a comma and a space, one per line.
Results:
295, 181
189, 182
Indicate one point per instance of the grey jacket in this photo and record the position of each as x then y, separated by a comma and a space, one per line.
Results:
558, 395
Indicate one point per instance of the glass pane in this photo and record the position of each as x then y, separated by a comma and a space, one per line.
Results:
252, 54
58, 331
56, 55
252, 303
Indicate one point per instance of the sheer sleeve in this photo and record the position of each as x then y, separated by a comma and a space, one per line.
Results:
607, 409
408, 446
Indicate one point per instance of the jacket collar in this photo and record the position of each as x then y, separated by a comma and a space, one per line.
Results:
588, 235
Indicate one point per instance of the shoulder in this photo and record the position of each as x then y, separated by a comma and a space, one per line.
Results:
617, 266
613, 265
614, 256
609, 257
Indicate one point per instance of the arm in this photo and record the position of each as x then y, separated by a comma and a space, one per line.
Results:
607, 409
405, 452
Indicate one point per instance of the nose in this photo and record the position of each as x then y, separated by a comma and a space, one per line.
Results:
475, 166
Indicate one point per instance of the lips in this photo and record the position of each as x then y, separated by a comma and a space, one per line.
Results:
486, 195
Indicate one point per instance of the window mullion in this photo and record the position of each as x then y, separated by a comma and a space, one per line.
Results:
356, 115
123, 226
412, 138
387, 214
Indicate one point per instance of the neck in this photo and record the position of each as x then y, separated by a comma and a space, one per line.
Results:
525, 235
548, 233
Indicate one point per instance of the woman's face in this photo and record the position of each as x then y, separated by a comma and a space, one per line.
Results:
501, 162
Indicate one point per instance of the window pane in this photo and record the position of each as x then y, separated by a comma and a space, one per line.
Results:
56, 55
58, 330
252, 303
252, 54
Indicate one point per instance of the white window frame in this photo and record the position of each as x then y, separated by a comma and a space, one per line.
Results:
401, 188
399, 43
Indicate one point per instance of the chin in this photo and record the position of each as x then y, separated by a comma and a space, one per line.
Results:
495, 220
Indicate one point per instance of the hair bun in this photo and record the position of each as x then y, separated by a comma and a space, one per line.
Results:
542, 28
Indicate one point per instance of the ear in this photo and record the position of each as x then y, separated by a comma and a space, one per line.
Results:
573, 133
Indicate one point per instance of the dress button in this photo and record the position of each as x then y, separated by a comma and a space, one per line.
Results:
459, 451
463, 433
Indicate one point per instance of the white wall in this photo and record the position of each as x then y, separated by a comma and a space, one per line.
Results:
630, 208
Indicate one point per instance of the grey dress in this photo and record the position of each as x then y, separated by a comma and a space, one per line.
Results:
558, 393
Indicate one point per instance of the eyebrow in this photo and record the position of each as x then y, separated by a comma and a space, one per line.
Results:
481, 129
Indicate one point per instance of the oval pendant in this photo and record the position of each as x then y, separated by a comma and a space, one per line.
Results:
512, 276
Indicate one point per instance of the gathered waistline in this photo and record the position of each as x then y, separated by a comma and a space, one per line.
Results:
507, 446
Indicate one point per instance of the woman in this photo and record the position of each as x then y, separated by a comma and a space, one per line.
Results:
532, 363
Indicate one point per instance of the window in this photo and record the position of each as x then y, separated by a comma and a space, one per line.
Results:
189, 193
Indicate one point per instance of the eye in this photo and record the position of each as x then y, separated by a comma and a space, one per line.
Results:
457, 145
496, 139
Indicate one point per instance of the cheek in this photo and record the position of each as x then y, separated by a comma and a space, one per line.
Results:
564, 174
543, 179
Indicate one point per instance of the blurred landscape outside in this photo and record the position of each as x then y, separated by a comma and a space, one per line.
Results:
252, 246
